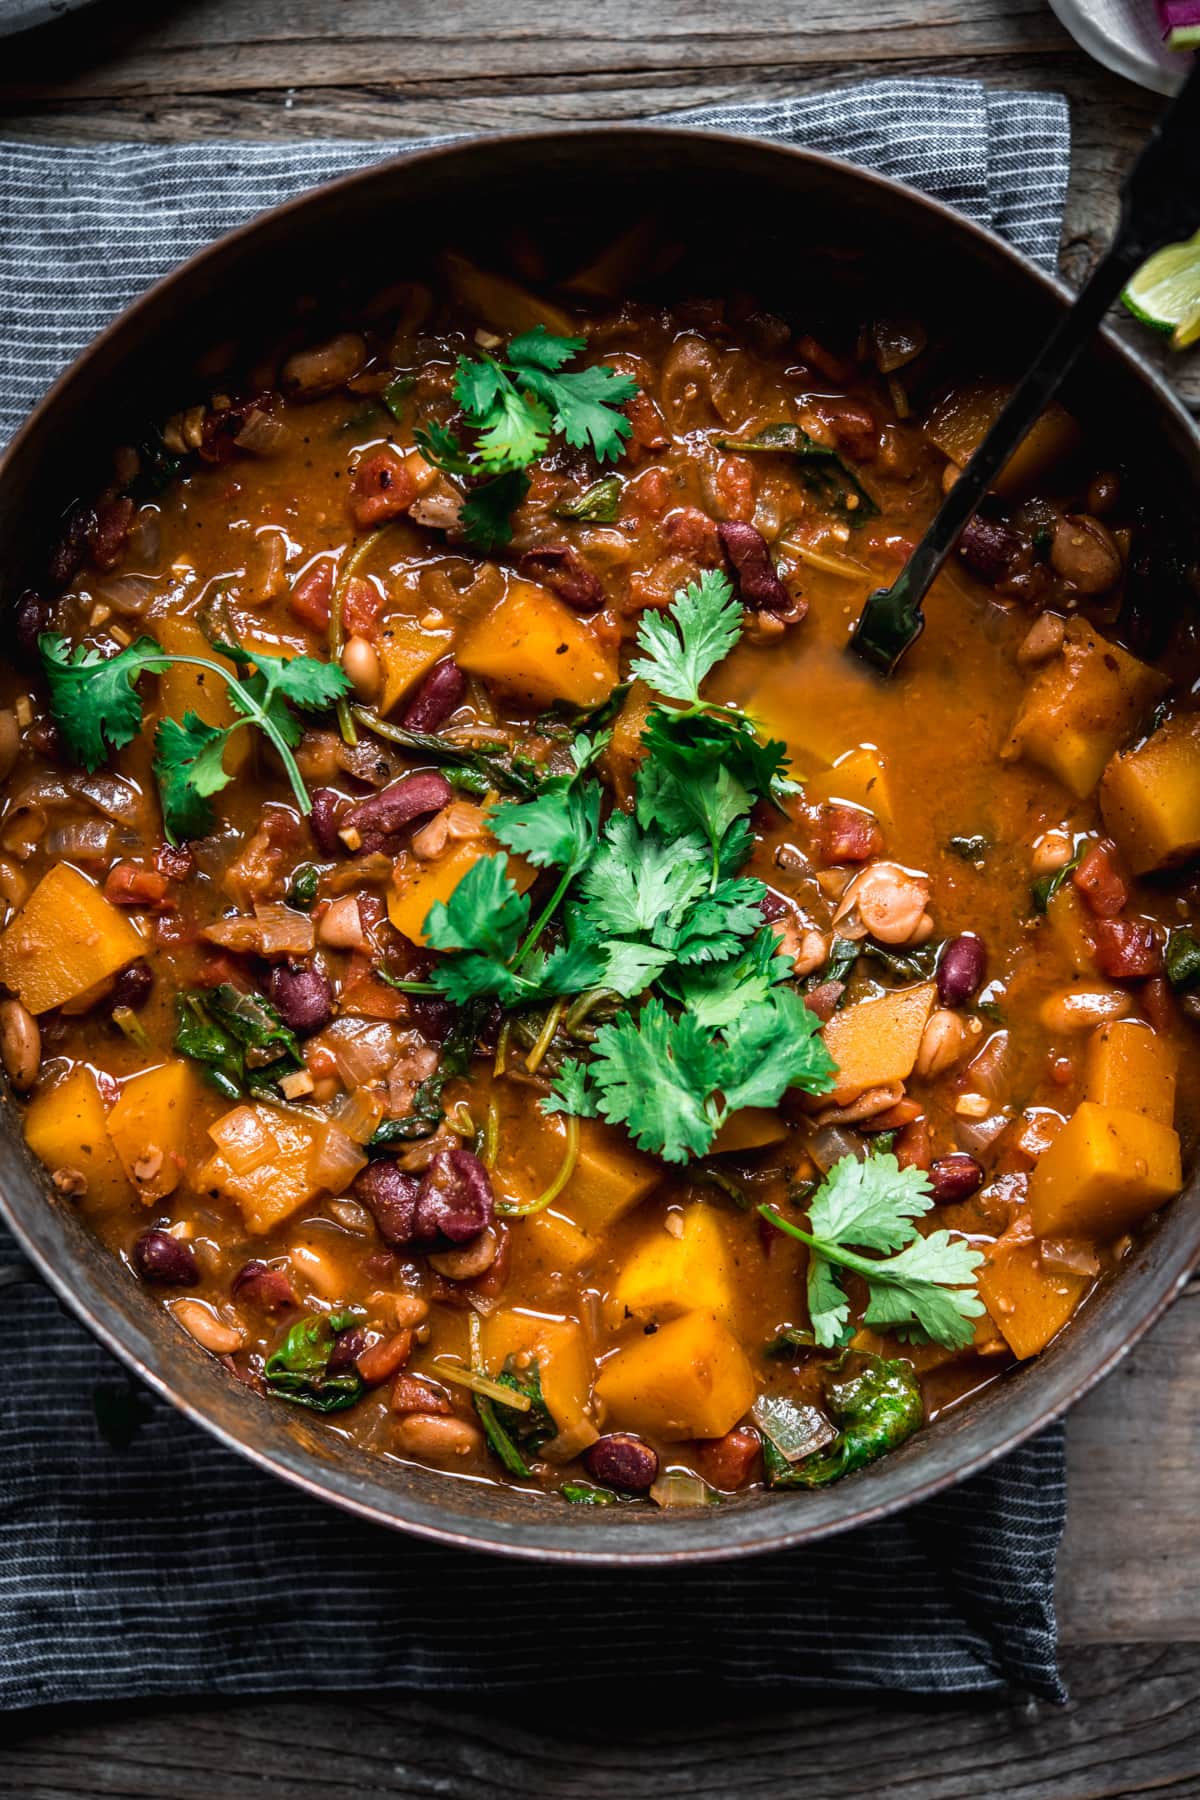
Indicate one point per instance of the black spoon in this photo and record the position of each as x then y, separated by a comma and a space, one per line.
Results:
1160, 204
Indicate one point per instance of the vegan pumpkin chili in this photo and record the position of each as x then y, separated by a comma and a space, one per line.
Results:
483, 955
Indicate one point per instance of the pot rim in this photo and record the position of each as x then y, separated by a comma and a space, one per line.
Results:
542, 1535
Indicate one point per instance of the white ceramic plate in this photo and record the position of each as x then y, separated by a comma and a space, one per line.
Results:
1124, 36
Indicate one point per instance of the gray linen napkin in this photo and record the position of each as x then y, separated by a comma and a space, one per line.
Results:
137, 1557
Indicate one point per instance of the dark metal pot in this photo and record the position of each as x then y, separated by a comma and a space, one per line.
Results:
747, 213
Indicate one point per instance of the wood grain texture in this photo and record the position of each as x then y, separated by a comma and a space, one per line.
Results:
1128, 1730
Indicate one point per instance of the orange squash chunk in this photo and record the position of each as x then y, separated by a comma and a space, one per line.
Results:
1150, 797
564, 1364
875, 1042
66, 939
407, 651
690, 1379
65, 1126
1128, 1064
149, 1126
416, 884
264, 1161
1107, 1168
1029, 1303
540, 651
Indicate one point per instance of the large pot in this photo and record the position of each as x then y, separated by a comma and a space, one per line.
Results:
750, 214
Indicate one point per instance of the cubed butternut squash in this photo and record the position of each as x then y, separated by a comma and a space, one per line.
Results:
1150, 797
665, 1275
538, 650
1071, 925
959, 424
183, 688
1080, 707
265, 1161
149, 1126
610, 1177
857, 779
66, 939
751, 1129
564, 1362
1127, 1064
1029, 1303
875, 1042
549, 1246
691, 1378
416, 884
407, 651
66, 1127
1107, 1168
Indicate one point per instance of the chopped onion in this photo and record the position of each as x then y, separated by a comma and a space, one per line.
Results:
989, 1071
120, 800
364, 1050
832, 1143
261, 435
85, 840
127, 594
679, 1487
1068, 1256
242, 1139
795, 1431
976, 1135
897, 342
570, 1443
359, 1113
338, 1161
275, 930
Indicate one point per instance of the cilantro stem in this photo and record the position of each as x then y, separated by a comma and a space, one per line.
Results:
835, 1253
337, 635
547, 913
253, 714
512, 1209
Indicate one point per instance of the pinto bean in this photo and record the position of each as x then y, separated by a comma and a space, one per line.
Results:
955, 1177
960, 969
258, 1284
943, 1041
302, 995
383, 816
200, 1322
455, 1199
749, 556
437, 696
390, 1196
157, 1256
1085, 553
20, 1045
622, 1461
561, 568
360, 660
435, 1439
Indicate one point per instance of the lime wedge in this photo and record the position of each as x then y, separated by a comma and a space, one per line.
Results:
1165, 292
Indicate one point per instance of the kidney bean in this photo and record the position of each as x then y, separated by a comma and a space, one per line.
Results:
960, 969
988, 548
1158, 1003
258, 1284
381, 817
824, 999
157, 1256
132, 986
774, 907
623, 1461
33, 615
955, 1177
728, 1462
432, 1017
1127, 950
455, 1200
348, 1346
390, 1196
302, 995
757, 583
71, 548
324, 819
106, 540
561, 568
436, 697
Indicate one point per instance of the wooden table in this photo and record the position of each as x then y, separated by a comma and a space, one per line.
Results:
1130, 1583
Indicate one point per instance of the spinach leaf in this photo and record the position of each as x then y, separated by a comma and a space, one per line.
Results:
839, 964
240, 1040
302, 889
564, 721
394, 393
909, 965
875, 1409
1183, 958
598, 504
1046, 886
582, 1493
516, 1433
823, 472
427, 1112
475, 771
299, 1369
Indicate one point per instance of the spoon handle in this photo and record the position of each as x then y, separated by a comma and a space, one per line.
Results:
1160, 203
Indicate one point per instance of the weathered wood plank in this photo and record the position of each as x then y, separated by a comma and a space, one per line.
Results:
1129, 1730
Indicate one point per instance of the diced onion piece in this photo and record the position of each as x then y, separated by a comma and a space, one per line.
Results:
1069, 1256
679, 1487
364, 1050
358, 1113
242, 1139
795, 1431
285, 932
83, 840
337, 1161
570, 1443
261, 435
832, 1143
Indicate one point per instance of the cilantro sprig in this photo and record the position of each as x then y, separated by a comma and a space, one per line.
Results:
97, 708
513, 405
921, 1288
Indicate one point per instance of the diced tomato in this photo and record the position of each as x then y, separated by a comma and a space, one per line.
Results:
383, 488
360, 608
386, 1358
647, 495
649, 429
128, 884
913, 1149
1158, 1003
729, 1462
369, 998
1100, 881
853, 427
845, 834
735, 485
1127, 949
312, 592
410, 1394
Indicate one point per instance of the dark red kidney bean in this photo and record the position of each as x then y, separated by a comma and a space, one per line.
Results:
823, 1000
988, 548
774, 907
348, 1346
955, 1177
960, 969
302, 996
436, 698
108, 535
623, 1461
132, 986
389, 1194
33, 615
381, 817
324, 819
258, 1284
157, 1256
455, 1200
68, 553
750, 558
561, 568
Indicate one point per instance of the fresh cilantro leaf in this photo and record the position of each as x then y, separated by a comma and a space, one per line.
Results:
925, 1293
539, 349
638, 879
571, 969
714, 927
438, 444
473, 975
189, 770
486, 513
871, 1203
828, 1306
629, 968
583, 404
771, 1046
485, 913
93, 697
680, 796
715, 993
655, 1074
560, 828
679, 649
572, 1091
517, 434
